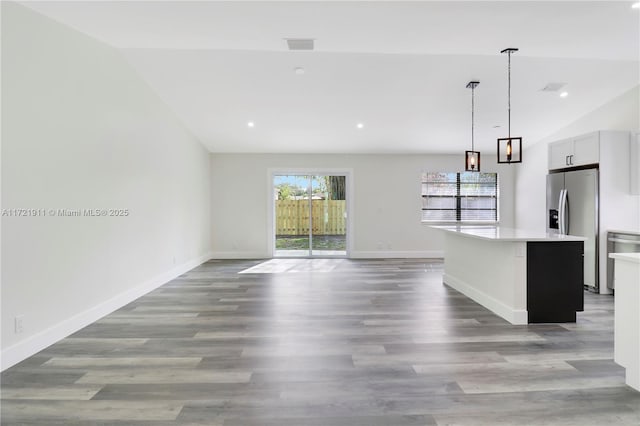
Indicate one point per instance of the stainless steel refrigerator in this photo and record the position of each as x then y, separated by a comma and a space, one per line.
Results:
572, 209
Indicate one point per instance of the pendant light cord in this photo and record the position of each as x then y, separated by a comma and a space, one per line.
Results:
509, 95
473, 90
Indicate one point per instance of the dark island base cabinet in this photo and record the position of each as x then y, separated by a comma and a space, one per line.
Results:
555, 278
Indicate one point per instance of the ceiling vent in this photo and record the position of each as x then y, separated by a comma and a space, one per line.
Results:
553, 87
300, 43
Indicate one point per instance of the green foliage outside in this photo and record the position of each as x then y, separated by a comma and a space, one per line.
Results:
325, 187
321, 242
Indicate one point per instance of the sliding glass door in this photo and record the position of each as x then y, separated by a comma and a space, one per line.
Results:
310, 217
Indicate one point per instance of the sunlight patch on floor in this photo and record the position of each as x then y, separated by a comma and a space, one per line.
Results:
275, 266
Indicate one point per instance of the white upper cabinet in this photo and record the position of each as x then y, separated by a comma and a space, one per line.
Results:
578, 151
586, 149
634, 165
559, 154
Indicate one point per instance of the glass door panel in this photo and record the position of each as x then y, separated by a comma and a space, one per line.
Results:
328, 216
291, 193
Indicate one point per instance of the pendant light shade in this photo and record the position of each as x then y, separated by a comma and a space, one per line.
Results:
472, 158
509, 148
472, 161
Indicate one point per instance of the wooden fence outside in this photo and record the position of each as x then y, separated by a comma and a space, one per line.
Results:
328, 217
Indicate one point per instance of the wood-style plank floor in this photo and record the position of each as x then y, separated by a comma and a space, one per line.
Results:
322, 342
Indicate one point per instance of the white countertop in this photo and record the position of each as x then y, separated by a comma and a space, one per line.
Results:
498, 233
630, 257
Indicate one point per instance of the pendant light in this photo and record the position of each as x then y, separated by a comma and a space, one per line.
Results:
509, 148
472, 158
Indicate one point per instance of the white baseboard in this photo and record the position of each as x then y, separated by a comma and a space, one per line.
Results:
605, 290
430, 254
34, 344
514, 316
378, 254
239, 255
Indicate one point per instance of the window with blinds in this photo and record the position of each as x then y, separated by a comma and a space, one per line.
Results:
459, 197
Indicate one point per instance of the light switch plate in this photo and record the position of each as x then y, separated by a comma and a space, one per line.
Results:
18, 324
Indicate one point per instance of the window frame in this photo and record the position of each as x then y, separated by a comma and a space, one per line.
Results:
458, 201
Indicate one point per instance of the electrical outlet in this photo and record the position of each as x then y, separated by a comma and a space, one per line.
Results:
18, 324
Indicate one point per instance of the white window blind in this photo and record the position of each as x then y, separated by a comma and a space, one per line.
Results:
459, 197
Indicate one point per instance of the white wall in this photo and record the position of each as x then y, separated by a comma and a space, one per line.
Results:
386, 200
621, 113
81, 130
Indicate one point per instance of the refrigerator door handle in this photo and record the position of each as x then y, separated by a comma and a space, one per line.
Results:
563, 219
565, 210
560, 213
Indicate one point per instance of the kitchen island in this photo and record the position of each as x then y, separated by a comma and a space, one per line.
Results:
521, 275
627, 316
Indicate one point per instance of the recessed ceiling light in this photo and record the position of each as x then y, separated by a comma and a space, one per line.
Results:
298, 70
359, 125
564, 94
636, 5
251, 124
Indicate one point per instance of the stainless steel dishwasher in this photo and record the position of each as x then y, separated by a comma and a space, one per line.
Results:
620, 242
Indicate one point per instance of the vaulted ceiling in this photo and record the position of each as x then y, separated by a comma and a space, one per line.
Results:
399, 68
